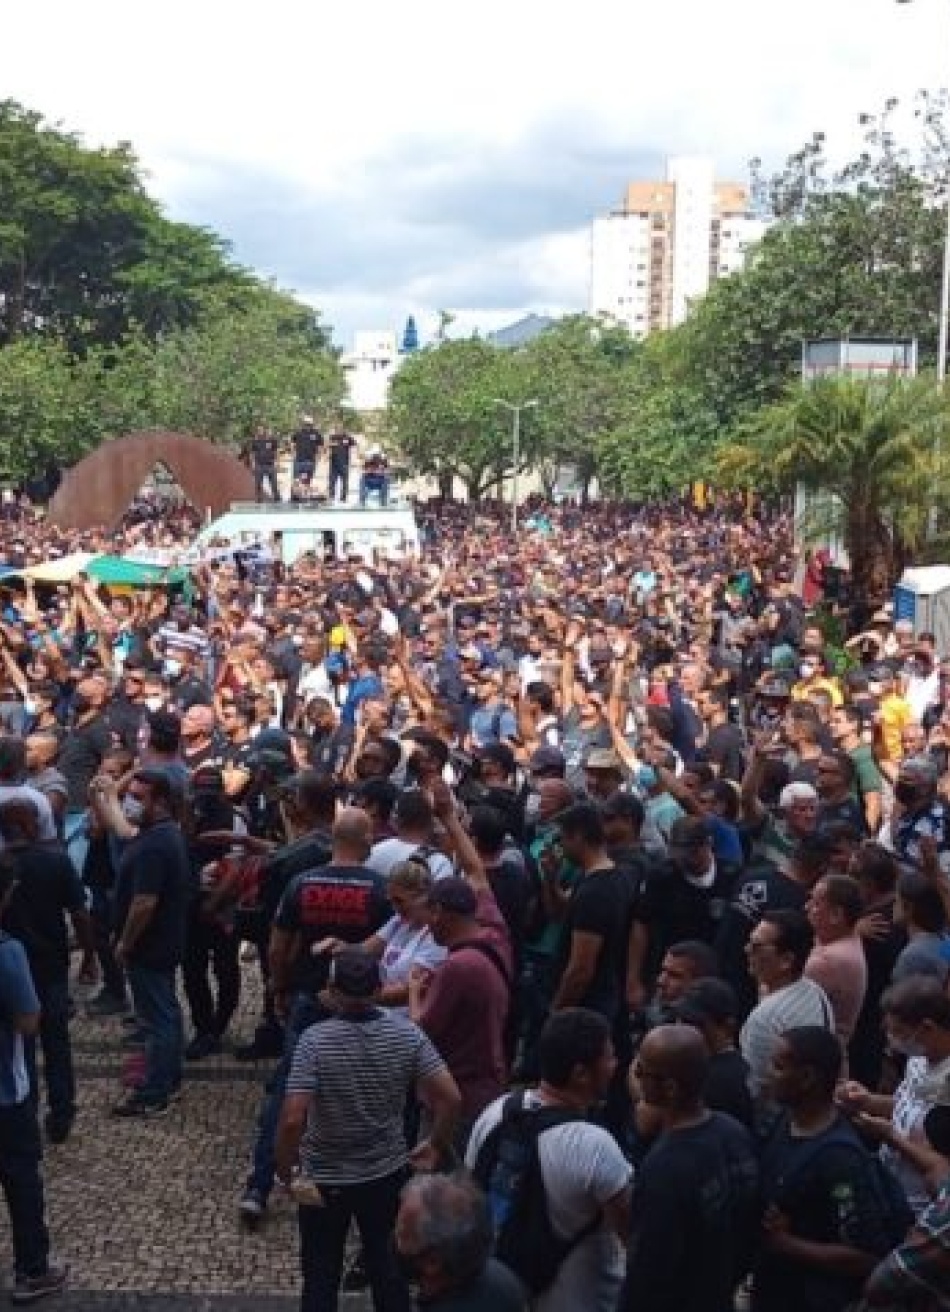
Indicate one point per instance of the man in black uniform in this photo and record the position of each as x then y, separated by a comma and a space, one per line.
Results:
264, 462
341, 446
308, 443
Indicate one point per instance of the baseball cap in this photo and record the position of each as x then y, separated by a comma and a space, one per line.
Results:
454, 895
708, 999
547, 759
354, 973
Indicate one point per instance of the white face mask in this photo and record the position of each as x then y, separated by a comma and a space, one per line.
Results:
172, 668
154, 703
806, 670
30, 706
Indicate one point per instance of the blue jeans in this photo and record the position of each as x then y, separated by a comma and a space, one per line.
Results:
304, 1012
323, 1232
22, 1184
57, 1052
157, 1011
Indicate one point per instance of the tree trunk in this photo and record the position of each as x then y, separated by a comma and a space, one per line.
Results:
446, 479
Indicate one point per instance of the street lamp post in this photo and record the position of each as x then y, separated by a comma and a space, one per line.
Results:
515, 450
944, 330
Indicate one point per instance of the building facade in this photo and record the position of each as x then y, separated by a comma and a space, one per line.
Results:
658, 254
369, 369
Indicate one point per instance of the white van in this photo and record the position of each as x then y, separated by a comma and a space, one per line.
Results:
332, 532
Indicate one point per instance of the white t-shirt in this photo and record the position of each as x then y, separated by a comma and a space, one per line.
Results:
391, 852
582, 1169
407, 946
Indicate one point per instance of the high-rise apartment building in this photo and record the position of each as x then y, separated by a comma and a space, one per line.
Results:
660, 251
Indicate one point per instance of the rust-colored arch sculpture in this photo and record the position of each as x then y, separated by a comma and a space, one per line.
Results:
99, 489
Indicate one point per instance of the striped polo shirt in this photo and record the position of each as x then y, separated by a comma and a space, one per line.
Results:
357, 1071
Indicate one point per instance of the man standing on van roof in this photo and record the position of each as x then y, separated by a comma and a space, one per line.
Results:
341, 447
264, 462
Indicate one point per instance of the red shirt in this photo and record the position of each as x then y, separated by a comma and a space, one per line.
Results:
465, 1009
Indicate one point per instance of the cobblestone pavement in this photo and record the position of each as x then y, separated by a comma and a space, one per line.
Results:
147, 1209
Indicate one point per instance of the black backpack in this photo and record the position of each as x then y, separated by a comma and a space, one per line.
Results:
889, 1197
508, 1168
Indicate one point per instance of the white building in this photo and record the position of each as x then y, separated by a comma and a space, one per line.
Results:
369, 369
657, 255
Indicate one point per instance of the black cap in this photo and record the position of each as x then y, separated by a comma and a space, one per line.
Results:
454, 895
354, 973
548, 760
708, 999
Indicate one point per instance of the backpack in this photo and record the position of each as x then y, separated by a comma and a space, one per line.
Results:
896, 1214
508, 1168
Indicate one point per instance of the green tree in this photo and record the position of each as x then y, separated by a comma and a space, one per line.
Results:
576, 370
665, 430
869, 448
443, 417
85, 253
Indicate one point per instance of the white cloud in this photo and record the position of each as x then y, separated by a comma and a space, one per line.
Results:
374, 152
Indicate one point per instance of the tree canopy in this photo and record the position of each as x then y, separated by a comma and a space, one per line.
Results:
114, 317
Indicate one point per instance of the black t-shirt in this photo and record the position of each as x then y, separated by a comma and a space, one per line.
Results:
600, 904
264, 452
512, 889
727, 1086
332, 751
868, 1041
849, 812
332, 901
125, 720
47, 887
693, 1220
81, 755
674, 909
830, 1195
305, 853
156, 864
307, 442
725, 747
758, 889
340, 446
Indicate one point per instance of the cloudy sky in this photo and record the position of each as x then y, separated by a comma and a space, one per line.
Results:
383, 159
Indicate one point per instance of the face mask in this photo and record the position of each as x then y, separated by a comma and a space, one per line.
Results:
297, 639
133, 811
905, 792
806, 670
30, 706
532, 808
154, 703
172, 669
646, 777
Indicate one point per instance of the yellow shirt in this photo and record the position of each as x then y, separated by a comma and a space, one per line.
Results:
895, 716
801, 690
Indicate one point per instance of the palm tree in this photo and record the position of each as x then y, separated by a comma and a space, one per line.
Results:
871, 447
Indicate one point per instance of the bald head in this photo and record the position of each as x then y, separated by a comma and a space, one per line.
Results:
676, 1059
352, 835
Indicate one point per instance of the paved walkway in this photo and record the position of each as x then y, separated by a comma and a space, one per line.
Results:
143, 1209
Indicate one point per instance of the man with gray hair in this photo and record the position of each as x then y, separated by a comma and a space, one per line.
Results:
443, 1244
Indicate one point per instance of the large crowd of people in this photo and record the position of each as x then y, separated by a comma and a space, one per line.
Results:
597, 879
